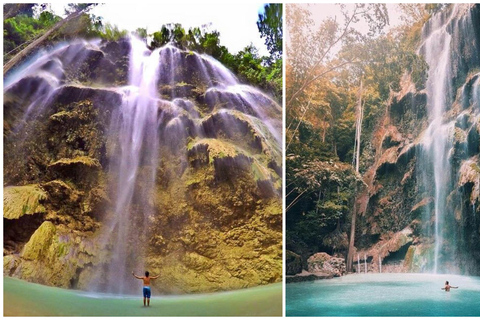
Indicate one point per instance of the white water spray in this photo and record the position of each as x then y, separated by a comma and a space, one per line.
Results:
366, 269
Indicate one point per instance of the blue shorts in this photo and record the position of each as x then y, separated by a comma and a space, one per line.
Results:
146, 292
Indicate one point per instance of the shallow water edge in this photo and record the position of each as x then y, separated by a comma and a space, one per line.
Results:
21, 298
394, 294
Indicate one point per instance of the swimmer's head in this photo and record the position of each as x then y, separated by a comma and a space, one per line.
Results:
147, 273
446, 282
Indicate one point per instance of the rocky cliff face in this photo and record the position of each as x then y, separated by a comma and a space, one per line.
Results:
417, 211
212, 220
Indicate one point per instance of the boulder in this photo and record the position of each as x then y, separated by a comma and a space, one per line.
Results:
324, 263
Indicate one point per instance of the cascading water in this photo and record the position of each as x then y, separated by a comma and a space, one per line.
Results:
365, 259
442, 36
436, 50
135, 126
358, 263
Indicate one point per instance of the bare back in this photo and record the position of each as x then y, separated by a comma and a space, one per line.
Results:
146, 281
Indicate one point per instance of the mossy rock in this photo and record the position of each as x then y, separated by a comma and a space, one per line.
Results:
80, 169
10, 264
21, 200
216, 148
39, 244
78, 161
418, 257
197, 262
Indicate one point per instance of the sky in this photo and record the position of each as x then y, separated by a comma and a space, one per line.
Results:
321, 11
236, 22
324, 10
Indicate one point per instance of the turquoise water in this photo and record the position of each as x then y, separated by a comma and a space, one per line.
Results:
385, 295
21, 298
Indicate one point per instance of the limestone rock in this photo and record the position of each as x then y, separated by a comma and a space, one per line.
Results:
21, 200
324, 263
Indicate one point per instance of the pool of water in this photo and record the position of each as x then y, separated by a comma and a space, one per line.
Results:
21, 298
386, 294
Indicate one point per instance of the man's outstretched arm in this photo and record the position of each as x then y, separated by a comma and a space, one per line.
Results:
154, 277
136, 276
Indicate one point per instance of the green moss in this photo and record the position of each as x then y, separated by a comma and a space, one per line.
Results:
260, 172
62, 249
38, 245
21, 200
220, 148
83, 160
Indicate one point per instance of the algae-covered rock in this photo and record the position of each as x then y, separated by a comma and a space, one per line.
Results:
39, 244
81, 169
54, 256
418, 258
21, 200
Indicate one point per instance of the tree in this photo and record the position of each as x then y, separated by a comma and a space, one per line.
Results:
38, 41
13, 9
270, 25
314, 51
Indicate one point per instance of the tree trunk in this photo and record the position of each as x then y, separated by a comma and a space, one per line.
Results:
358, 133
12, 9
352, 238
28, 49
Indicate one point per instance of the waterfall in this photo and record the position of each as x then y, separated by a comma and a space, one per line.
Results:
380, 263
438, 144
135, 126
437, 138
138, 127
446, 37
358, 263
366, 269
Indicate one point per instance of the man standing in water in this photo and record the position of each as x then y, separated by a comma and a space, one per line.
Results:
448, 286
146, 287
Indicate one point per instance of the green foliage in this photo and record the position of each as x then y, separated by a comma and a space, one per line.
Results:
270, 25
14, 9
321, 194
141, 33
112, 33
21, 29
264, 72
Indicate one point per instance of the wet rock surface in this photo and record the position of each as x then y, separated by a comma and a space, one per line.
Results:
216, 213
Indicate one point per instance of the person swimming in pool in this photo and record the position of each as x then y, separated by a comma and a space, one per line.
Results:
146, 287
448, 286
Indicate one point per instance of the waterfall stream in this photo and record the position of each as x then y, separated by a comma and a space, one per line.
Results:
441, 37
436, 50
136, 128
